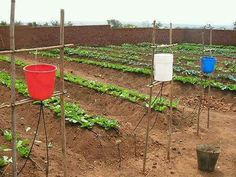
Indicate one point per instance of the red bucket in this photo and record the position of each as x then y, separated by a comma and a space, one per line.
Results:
40, 79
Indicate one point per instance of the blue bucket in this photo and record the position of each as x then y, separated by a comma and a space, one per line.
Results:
208, 64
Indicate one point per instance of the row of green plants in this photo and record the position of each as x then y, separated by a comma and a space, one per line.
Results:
222, 66
189, 61
205, 82
227, 67
184, 48
198, 49
123, 93
191, 74
73, 112
94, 54
145, 71
118, 58
145, 47
115, 66
22, 147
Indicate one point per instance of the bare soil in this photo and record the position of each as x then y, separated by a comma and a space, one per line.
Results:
95, 153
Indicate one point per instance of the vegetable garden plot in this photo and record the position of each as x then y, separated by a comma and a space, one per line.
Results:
160, 104
116, 164
98, 90
89, 148
110, 76
86, 158
5, 81
225, 74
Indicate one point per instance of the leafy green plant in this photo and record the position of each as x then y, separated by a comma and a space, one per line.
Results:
22, 148
5, 160
107, 124
7, 135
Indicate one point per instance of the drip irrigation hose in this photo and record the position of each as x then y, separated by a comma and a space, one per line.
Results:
140, 120
41, 114
35, 135
46, 143
160, 93
194, 112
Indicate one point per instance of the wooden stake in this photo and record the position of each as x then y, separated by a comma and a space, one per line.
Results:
208, 107
34, 49
209, 87
27, 100
13, 91
211, 41
150, 97
170, 122
170, 35
171, 109
199, 112
203, 41
201, 95
62, 88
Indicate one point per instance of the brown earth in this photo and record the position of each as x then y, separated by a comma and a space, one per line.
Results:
92, 156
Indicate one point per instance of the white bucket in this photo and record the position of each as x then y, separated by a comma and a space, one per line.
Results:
163, 67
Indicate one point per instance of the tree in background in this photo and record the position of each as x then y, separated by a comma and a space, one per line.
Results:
55, 23
33, 24
158, 24
69, 23
207, 26
3, 23
17, 23
45, 24
129, 26
235, 25
147, 24
114, 23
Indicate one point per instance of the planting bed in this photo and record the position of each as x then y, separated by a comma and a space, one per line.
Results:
118, 93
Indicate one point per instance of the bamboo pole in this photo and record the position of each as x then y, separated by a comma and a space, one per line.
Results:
37, 49
209, 87
62, 88
27, 100
150, 97
208, 107
170, 121
203, 40
211, 41
170, 34
155, 83
199, 112
13, 91
171, 109
202, 93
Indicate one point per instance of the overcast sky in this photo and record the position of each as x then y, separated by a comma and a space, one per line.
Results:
215, 12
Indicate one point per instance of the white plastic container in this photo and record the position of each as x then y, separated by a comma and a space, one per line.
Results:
163, 67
